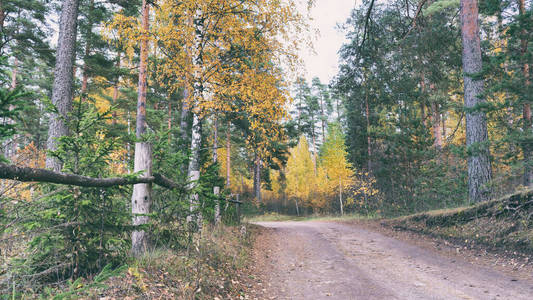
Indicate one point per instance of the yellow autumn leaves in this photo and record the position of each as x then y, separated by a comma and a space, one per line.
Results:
318, 182
229, 54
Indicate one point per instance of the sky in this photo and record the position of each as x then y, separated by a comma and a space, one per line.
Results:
326, 15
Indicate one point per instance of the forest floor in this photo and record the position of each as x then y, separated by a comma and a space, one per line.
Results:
362, 259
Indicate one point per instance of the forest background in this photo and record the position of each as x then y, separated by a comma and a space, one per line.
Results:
196, 102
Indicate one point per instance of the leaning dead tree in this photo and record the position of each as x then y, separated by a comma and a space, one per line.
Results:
46, 176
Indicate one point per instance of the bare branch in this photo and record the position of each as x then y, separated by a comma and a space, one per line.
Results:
41, 175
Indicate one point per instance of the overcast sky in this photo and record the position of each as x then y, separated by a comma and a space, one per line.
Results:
326, 15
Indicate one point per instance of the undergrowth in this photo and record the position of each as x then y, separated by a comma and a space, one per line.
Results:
505, 224
212, 268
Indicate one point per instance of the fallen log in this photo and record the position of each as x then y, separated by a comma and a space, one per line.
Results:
27, 174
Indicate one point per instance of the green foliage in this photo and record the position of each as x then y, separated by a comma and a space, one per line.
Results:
393, 87
78, 287
10, 107
439, 6
77, 231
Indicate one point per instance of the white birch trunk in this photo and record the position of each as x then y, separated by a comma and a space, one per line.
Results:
340, 196
193, 173
216, 191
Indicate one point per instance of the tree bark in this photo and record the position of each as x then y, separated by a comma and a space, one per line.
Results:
26, 174
228, 156
115, 93
85, 69
526, 147
215, 140
169, 121
479, 165
11, 144
314, 145
184, 114
322, 118
141, 197
216, 191
340, 196
14, 74
257, 178
437, 132
368, 138
62, 89
193, 173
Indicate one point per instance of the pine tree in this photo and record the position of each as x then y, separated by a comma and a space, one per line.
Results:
479, 166
62, 90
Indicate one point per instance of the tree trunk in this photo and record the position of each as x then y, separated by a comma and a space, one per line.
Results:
368, 138
85, 69
183, 115
322, 119
437, 132
422, 100
216, 191
257, 178
340, 196
479, 166
228, 156
169, 121
314, 145
526, 147
85, 75
14, 74
63, 78
11, 144
215, 140
193, 173
141, 197
115, 93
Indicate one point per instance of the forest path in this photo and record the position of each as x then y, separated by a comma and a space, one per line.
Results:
329, 260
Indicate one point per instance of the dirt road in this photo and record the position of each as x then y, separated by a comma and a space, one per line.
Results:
328, 260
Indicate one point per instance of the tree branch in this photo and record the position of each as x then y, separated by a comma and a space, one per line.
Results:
41, 175
413, 22
367, 18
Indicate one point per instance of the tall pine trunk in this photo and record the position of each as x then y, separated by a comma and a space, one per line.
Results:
479, 166
368, 138
141, 197
11, 144
526, 147
115, 93
62, 88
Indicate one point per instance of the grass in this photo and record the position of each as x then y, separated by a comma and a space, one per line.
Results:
275, 217
504, 224
212, 268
